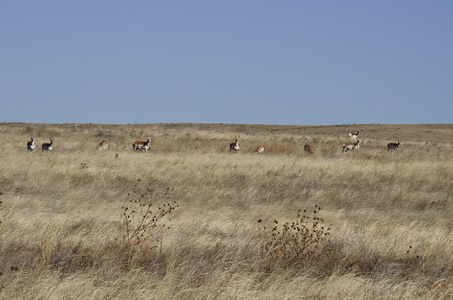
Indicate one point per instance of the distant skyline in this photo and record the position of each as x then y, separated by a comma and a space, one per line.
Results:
242, 62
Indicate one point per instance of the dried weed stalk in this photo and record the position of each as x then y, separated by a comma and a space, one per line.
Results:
296, 241
1, 214
143, 214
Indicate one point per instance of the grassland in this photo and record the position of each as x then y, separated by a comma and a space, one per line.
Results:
62, 229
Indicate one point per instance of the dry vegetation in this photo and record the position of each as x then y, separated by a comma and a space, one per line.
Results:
62, 213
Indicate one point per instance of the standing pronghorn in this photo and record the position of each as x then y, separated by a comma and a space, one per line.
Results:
31, 144
47, 146
259, 150
351, 146
103, 145
235, 146
393, 146
354, 135
309, 149
137, 145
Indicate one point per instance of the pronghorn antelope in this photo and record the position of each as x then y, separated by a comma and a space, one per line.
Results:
354, 135
393, 146
47, 146
103, 145
31, 144
137, 145
351, 146
259, 150
235, 146
309, 149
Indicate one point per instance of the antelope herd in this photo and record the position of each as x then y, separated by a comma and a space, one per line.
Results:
234, 147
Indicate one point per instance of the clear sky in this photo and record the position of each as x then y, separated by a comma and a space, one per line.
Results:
251, 62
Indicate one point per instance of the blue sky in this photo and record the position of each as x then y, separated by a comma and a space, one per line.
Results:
248, 62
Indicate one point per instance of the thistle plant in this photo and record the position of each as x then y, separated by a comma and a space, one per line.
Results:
295, 241
143, 216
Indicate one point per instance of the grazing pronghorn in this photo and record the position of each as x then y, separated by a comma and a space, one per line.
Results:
354, 135
137, 145
309, 149
351, 146
31, 144
235, 146
259, 150
47, 146
103, 145
393, 146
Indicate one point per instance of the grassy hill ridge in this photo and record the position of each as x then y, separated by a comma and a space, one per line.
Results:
62, 231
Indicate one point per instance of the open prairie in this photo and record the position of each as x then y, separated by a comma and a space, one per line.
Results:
70, 217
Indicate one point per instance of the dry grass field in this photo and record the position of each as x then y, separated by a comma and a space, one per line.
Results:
63, 233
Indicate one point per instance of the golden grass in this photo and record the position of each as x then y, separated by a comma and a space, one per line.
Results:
61, 235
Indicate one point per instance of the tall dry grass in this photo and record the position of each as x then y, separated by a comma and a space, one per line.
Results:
62, 229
